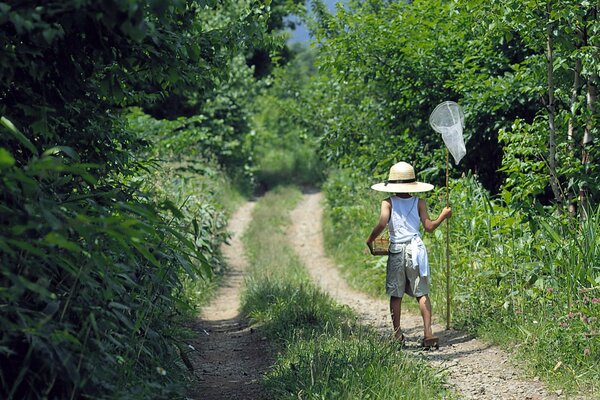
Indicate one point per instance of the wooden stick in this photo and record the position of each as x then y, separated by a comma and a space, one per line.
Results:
447, 249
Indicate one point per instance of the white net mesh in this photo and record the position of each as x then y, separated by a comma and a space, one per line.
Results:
448, 119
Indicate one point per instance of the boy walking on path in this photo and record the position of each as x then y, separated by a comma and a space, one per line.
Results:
407, 266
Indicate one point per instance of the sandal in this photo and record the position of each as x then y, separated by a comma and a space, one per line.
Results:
430, 342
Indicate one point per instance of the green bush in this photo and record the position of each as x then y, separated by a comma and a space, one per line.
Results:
97, 275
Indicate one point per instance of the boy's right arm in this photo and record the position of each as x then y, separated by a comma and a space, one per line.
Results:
384, 217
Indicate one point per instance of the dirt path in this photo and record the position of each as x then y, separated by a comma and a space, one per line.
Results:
230, 355
476, 370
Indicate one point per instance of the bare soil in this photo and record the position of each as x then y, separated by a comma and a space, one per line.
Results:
231, 356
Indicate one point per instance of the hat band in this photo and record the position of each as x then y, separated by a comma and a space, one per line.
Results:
402, 181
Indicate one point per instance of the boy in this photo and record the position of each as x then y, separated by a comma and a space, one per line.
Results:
407, 266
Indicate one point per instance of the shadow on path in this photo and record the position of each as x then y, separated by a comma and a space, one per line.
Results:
229, 360
229, 356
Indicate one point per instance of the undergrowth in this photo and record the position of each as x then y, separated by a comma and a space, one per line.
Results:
98, 274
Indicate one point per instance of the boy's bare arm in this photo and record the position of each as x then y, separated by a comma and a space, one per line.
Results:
384, 217
428, 224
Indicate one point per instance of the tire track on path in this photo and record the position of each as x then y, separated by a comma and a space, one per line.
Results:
230, 356
476, 370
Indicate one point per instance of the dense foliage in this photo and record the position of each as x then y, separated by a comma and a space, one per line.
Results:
526, 75
118, 119
110, 214
383, 67
283, 148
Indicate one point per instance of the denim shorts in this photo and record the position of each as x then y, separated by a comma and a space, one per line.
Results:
401, 276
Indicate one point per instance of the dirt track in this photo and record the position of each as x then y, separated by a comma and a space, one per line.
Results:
230, 356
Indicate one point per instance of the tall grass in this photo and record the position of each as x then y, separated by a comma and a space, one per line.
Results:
322, 352
531, 282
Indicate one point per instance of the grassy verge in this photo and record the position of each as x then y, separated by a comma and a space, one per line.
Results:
531, 287
322, 352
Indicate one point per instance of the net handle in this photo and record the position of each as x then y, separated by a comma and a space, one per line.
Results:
447, 246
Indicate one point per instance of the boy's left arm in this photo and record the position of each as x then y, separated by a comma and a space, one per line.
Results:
428, 224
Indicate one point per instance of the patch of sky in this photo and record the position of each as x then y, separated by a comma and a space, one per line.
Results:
301, 34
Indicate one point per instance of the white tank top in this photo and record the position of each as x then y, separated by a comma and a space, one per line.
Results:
404, 222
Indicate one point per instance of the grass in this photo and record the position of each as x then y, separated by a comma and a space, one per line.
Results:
540, 345
322, 353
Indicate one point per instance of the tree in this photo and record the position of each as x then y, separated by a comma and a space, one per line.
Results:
568, 71
385, 66
91, 265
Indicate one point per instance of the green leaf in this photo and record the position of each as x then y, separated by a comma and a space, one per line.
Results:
114, 304
551, 231
169, 205
18, 135
94, 324
185, 263
49, 35
27, 247
196, 228
57, 239
6, 159
64, 149
65, 336
5, 247
126, 321
147, 255
32, 286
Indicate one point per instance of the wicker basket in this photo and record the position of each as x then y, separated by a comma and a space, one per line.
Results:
381, 245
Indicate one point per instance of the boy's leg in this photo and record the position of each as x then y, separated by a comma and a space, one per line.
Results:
396, 311
425, 307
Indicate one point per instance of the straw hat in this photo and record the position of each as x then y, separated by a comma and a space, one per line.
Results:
402, 179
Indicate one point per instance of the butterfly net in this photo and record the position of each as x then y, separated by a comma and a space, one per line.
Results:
448, 119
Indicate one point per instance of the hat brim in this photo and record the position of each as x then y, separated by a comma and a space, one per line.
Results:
413, 187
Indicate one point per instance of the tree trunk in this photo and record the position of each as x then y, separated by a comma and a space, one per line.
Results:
571, 127
573, 106
554, 183
586, 142
588, 133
